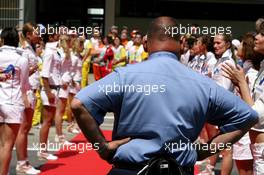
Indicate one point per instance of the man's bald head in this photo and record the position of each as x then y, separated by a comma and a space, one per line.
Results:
160, 36
161, 29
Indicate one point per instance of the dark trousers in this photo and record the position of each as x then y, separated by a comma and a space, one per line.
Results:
118, 171
133, 169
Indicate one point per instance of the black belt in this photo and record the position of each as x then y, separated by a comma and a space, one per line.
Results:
138, 167
129, 166
56, 87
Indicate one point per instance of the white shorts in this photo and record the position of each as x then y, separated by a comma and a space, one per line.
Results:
45, 100
75, 89
241, 149
64, 93
11, 114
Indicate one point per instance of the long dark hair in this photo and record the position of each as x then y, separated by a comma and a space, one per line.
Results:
249, 52
10, 37
207, 40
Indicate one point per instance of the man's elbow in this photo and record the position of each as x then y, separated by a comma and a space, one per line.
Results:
254, 118
76, 106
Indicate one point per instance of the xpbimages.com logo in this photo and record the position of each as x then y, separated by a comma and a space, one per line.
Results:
200, 30
63, 30
50, 146
145, 89
182, 146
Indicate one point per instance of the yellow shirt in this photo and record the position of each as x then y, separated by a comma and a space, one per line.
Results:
144, 55
135, 54
86, 63
119, 53
87, 45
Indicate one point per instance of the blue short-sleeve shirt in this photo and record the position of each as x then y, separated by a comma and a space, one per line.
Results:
159, 102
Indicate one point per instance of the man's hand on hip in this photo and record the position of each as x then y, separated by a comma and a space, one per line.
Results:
107, 151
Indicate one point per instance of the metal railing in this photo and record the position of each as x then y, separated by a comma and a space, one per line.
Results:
11, 13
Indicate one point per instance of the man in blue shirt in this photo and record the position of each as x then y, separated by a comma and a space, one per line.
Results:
160, 107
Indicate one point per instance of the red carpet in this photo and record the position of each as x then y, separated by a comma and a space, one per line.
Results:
72, 162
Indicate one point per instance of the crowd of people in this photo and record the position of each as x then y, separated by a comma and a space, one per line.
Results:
41, 74
213, 57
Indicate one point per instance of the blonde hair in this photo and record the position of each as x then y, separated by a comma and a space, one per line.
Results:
28, 27
64, 45
76, 45
22, 40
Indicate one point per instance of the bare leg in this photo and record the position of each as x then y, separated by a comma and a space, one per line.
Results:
59, 114
227, 163
8, 133
48, 115
69, 112
22, 137
245, 167
257, 147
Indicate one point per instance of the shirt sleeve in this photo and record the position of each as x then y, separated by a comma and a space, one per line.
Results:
102, 96
24, 75
31, 60
228, 111
221, 80
25, 54
259, 108
46, 66
211, 63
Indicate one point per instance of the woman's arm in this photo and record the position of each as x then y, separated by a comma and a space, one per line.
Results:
237, 76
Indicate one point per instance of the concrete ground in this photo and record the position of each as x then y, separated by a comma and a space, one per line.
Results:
34, 140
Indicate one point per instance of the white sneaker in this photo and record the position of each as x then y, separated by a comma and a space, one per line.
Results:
199, 162
203, 162
46, 156
56, 139
209, 170
26, 169
38, 126
61, 139
65, 142
74, 131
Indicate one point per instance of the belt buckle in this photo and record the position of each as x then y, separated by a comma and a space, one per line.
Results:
164, 167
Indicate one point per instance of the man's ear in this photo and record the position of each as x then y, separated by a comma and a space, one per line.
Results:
1, 41
148, 44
